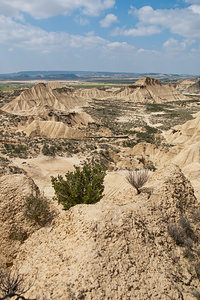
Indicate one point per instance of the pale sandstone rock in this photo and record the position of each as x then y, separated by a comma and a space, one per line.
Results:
113, 250
13, 191
35, 99
39, 102
150, 90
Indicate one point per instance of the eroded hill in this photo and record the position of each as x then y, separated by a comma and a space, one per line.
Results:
126, 246
117, 248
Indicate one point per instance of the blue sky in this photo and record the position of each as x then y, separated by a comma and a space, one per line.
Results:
100, 35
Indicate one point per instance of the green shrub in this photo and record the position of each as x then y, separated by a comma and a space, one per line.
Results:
48, 150
81, 186
129, 143
17, 150
37, 209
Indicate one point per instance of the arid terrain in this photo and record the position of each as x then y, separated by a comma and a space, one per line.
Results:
127, 245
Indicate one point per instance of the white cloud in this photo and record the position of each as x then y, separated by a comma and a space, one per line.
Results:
195, 9
196, 50
192, 1
82, 21
119, 48
108, 20
148, 52
15, 34
139, 30
174, 46
115, 45
182, 21
48, 8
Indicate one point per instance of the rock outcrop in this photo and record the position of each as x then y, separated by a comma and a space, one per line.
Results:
149, 90
183, 85
189, 86
50, 110
188, 133
14, 226
114, 249
194, 89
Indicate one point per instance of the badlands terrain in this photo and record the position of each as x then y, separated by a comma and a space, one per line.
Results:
126, 246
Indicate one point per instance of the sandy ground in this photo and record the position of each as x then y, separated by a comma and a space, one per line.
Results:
41, 169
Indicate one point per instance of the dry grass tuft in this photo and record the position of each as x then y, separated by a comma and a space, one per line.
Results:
138, 178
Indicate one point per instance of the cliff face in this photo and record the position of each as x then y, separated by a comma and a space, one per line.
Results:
114, 249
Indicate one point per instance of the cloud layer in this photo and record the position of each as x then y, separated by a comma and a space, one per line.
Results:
91, 33
33, 38
48, 8
182, 21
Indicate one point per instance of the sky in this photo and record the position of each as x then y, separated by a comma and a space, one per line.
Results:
136, 36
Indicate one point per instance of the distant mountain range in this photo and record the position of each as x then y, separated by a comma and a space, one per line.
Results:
85, 75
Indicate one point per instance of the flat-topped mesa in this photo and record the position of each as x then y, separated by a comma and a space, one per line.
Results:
146, 81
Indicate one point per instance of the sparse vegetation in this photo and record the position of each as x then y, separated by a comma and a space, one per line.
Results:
147, 164
138, 178
182, 233
81, 186
196, 294
156, 107
129, 143
48, 150
15, 150
37, 210
185, 236
18, 234
12, 285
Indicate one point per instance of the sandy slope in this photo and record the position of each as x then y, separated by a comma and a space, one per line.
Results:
32, 101
58, 109
51, 129
149, 90
194, 89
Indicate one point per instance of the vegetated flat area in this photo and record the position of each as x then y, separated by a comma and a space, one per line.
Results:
118, 126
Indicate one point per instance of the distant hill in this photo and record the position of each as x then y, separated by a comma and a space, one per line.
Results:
87, 75
38, 75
